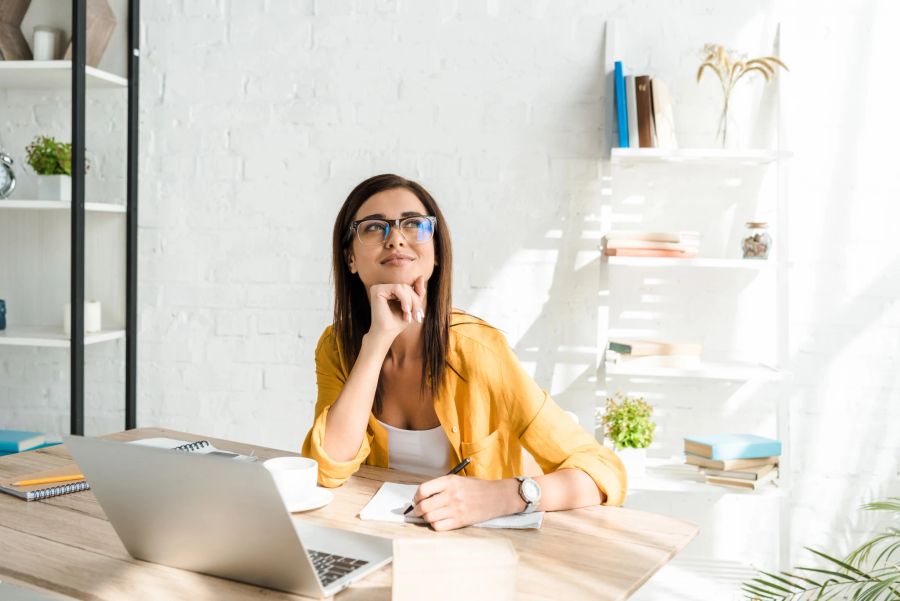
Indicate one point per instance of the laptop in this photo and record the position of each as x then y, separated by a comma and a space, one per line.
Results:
219, 516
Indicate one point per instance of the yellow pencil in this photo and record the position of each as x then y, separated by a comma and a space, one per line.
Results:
69, 478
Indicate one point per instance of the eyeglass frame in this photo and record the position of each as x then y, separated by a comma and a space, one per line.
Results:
354, 227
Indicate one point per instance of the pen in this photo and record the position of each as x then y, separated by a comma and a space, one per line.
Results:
460, 467
69, 478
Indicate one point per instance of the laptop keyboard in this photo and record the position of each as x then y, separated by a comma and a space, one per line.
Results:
331, 567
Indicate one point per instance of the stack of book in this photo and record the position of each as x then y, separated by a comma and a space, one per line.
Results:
654, 353
17, 441
734, 460
680, 245
644, 115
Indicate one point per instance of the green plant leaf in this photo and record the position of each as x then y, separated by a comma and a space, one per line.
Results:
889, 504
757, 591
780, 579
843, 577
772, 585
843, 564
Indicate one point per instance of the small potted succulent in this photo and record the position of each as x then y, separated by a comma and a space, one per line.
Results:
628, 426
52, 161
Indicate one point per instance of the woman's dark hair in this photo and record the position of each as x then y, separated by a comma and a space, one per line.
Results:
352, 313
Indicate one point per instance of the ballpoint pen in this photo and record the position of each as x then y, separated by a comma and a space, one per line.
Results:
460, 467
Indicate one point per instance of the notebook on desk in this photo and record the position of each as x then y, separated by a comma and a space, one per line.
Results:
36, 492
392, 499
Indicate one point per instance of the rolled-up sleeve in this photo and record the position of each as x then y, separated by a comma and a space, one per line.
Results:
551, 436
330, 380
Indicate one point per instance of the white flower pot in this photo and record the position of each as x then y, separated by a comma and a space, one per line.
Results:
55, 187
635, 461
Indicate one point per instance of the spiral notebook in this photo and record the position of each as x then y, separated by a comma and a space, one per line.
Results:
37, 492
45, 491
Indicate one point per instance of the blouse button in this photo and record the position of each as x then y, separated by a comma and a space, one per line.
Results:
454, 429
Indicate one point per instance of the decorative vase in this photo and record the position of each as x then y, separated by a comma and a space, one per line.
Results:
635, 461
722, 131
55, 187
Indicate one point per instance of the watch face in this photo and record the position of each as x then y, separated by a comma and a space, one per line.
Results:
531, 490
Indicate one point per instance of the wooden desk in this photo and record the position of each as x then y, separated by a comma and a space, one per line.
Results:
66, 544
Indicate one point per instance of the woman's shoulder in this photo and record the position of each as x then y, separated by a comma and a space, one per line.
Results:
328, 343
468, 332
327, 337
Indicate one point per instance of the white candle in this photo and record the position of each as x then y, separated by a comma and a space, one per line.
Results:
44, 43
92, 321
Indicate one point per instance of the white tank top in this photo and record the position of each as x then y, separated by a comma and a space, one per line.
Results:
425, 452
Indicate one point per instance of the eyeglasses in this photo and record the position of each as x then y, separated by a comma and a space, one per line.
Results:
418, 229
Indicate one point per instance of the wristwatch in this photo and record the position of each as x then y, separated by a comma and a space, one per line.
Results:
530, 492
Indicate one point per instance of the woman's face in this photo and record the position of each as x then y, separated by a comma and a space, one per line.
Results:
397, 260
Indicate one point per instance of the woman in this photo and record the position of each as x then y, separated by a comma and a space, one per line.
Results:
406, 382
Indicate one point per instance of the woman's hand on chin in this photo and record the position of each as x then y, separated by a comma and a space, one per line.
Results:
395, 306
451, 502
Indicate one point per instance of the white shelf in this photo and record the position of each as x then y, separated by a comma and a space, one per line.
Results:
49, 336
53, 75
60, 205
758, 264
674, 476
706, 370
637, 156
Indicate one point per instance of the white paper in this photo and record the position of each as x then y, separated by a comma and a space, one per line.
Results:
171, 443
392, 499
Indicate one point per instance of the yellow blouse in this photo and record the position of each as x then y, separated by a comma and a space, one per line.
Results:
489, 412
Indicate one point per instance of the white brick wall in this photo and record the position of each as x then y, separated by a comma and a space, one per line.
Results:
257, 118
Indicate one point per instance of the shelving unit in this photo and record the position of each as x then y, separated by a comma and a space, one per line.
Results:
60, 205
42, 75
712, 262
672, 475
76, 76
712, 191
626, 157
707, 370
48, 336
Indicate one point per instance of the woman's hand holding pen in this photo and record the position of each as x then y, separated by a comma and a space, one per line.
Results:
451, 502
395, 306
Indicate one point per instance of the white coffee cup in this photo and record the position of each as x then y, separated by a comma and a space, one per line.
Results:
295, 477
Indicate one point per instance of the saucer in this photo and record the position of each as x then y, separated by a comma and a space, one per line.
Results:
320, 497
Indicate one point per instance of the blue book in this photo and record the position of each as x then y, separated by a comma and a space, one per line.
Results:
19, 440
732, 446
44, 445
621, 106
40, 446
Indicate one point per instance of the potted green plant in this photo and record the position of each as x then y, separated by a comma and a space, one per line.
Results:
628, 426
52, 162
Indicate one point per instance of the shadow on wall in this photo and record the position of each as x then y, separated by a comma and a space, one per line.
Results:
842, 377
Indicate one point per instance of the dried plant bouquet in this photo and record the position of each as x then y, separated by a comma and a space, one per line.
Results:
730, 67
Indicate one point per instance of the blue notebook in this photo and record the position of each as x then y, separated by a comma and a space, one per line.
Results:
15, 441
732, 446
621, 106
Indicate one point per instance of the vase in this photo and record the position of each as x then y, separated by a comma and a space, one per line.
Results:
635, 462
55, 187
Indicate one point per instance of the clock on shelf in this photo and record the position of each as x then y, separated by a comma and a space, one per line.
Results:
7, 176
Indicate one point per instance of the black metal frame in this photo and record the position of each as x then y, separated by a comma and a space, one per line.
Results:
134, 55
79, 40
76, 372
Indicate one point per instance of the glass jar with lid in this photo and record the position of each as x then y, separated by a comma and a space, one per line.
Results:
757, 242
